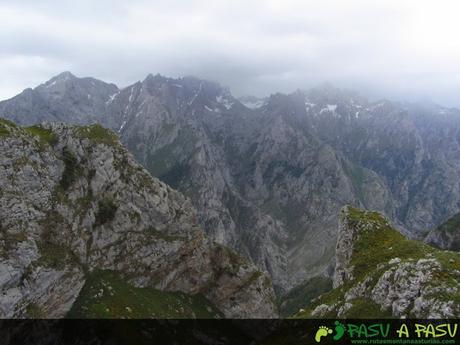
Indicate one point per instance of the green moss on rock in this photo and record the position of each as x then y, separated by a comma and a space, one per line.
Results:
45, 135
6, 127
55, 255
97, 134
33, 311
106, 211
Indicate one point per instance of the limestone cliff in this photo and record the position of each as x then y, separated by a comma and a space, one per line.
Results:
73, 201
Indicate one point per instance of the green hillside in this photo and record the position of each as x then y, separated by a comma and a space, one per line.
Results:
106, 295
379, 249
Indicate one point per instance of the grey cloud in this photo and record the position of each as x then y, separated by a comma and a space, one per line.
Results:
383, 48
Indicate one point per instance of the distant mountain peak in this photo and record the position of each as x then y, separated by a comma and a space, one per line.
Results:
60, 78
154, 78
65, 76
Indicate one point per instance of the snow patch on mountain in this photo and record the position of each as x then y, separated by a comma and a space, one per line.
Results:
224, 101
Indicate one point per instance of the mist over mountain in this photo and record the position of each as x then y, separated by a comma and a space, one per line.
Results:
269, 176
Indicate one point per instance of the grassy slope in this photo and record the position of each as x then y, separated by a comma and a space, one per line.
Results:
107, 295
301, 295
377, 244
97, 134
46, 135
450, 230
6, 127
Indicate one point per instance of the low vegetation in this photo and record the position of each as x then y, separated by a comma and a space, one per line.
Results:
377, 244
71, 169
383, 240
6, 127
33, 311
106, 295
105, 211
54, 255
97, 134
45, 135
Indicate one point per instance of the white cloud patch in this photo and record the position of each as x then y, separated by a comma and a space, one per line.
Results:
400, 49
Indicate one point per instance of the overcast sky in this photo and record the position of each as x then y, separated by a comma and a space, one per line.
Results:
399, 49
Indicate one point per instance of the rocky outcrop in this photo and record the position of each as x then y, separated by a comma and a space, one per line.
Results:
380, 273
347, 235
73, 201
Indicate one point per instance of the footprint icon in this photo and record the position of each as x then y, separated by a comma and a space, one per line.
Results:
322, 332
339, 330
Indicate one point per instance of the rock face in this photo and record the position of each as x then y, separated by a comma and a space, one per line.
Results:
268, 176
447, 235
379, 273
73, 201
64, 98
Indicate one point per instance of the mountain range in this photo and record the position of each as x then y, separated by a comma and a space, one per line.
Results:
268, 177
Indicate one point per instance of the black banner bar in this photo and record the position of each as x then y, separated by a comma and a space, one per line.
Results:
241, 332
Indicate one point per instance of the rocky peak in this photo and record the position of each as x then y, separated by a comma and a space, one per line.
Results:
59, 80
71, 83
152, 78
155, 81
190, 92
64, 76
352, 223
204, 90
380, 273
64, 98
